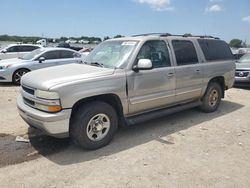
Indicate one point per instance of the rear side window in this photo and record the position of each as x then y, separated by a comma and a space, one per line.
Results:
185, 52
215, 50
51, 55
67, 54
27, 48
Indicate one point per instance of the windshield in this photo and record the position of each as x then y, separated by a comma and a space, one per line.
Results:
245, 58
32, 54
114, 54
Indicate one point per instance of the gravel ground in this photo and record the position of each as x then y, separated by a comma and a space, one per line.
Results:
187, 149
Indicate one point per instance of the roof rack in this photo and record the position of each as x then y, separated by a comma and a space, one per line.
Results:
168, 35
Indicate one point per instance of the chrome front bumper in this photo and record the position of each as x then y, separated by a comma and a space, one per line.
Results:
54, 124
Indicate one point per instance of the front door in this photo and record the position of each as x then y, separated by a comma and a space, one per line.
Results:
152, 89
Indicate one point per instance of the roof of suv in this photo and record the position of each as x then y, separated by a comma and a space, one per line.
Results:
151, 36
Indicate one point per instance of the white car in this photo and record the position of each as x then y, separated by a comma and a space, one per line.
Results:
17, 50
11, 70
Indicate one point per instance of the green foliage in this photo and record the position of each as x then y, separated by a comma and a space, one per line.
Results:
19, 38
106, 38
187, 35
118, 36
35, 39
236, 43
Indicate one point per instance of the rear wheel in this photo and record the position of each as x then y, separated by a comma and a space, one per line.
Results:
212, 98
93, 125
16, 79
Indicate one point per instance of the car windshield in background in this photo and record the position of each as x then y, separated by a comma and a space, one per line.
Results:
32, 54
111, 54
245, 59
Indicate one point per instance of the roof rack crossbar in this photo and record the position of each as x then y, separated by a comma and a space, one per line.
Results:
168, 34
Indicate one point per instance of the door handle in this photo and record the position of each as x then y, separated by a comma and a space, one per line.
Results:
170, 75
198, 71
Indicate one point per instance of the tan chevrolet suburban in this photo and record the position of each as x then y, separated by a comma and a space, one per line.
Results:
126, 81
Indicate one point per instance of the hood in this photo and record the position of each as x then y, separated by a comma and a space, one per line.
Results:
46, 78
11, 61
243, 66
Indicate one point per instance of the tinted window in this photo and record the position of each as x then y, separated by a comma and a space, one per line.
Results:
157, 52
67, 54
13, 49
51, 55
185, 52
29, 48
215, 50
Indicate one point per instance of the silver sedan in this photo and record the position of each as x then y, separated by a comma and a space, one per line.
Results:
11, 70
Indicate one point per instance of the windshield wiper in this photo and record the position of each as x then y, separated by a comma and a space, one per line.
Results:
97, 64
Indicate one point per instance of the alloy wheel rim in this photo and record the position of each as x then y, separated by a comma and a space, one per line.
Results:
213, 98
19, 75
98, 127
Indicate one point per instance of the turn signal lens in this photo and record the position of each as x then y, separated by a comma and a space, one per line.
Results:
54, 108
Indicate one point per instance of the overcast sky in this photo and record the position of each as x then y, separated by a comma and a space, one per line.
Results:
226, 19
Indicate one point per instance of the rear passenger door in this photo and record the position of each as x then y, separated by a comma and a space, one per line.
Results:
189, 73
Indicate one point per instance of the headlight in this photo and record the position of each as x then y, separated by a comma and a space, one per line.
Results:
49, 106
46, 95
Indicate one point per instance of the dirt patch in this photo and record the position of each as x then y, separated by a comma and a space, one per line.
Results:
12, 152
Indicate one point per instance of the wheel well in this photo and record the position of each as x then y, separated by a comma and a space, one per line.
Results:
110, 99
220, 80
18, 70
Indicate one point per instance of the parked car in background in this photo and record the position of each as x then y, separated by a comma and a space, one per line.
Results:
17, 50
242, 74
126, 81
67, 45
85, 52
11, 70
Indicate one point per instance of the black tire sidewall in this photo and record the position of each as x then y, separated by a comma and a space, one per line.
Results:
13, 77
205, 101
80, 120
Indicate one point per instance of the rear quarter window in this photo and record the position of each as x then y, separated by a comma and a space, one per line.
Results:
215, 50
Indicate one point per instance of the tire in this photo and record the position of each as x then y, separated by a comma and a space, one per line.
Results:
16, 78
93, 125
212, 98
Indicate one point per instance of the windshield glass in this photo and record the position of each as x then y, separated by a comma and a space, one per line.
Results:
245, 59
114, 54
32, 54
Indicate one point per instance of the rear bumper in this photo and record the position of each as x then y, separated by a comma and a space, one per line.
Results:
53, 124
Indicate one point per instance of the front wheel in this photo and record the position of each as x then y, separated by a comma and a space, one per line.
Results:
212, 98
93, 125
16, 79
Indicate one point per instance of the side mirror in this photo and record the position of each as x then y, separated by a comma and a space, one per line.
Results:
41, 59
143, 64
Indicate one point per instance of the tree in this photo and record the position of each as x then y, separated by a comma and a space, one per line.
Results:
106, 38
187, 35
118, 36
236, 43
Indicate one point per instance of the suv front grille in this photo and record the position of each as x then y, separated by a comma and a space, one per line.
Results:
241, 74
28, 102
28, 90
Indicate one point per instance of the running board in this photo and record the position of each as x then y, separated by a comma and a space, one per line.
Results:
160, 113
